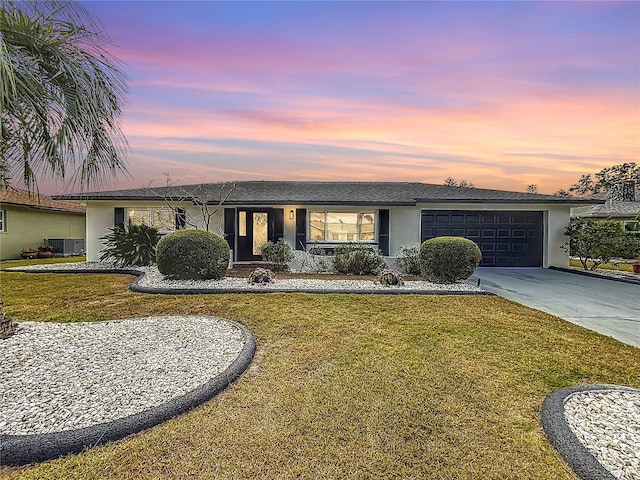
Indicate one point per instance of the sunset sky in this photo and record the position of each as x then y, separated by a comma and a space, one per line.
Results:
502, 94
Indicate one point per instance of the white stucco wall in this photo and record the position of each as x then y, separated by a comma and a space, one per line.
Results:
404, 223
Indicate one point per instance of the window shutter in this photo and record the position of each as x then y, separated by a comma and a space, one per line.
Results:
383, 231
278, 224
229, 226
301, 228
118, 217
181, 218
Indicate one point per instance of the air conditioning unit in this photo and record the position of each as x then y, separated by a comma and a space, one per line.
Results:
66, 246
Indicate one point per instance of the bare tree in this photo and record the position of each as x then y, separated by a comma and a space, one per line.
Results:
533, 188
606, 178
451, 182
562, 193
207, 200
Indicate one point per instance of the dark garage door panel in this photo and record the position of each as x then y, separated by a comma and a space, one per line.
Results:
506, 239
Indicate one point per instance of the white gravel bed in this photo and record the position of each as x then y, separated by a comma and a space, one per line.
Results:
64, 376
154, 279
607, 422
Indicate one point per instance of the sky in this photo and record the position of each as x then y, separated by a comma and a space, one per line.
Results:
501, 94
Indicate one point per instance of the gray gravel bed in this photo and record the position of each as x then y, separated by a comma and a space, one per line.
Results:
153, 280
607, 422
596, 429
64, 376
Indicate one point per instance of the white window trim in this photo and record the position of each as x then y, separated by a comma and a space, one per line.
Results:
360, 213
150, 210
3, 221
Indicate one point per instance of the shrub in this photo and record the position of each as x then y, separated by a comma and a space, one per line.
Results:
277, 255
448, 259
408, 260
599, 241
390, 278
193, 254
356, 259
261, 276
134, 245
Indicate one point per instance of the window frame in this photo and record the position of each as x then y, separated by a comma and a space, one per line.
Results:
152, 212
3, 221
360, 215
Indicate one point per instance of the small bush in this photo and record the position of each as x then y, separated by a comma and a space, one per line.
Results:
134, 245
277, 255
261, 276
408, 260
390, 278
596, 242
449, 259
193, 254
355, 259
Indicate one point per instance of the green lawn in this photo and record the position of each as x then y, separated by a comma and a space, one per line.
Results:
346, 386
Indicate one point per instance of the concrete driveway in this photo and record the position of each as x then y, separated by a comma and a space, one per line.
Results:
609, 307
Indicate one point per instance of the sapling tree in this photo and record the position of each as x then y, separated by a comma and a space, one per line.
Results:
598, 241
207, 200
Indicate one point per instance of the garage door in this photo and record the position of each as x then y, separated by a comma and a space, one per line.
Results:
506, 239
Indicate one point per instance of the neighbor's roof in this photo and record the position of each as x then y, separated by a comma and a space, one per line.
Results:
608, 210
331, 193
23, 198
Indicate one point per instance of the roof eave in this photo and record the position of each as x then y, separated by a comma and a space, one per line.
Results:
570, 202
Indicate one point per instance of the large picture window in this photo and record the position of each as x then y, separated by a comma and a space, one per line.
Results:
162, 218
342, 226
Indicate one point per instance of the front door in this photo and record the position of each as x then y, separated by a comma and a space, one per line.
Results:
255, 227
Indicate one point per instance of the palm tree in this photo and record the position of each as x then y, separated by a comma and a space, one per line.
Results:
60, 95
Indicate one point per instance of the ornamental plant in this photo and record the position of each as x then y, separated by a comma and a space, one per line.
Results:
408, 260
390, 278
449, 259
277, 255
596, 242
193, 255
358, 259
134, 245
261, 276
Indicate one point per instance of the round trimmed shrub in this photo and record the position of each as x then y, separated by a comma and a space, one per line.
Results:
193, 255
356, 259
448, 259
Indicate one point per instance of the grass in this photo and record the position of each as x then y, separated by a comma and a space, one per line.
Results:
346, 386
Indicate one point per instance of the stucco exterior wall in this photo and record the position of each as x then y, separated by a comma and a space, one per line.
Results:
404, 223
100, 217
404, 228
27, 227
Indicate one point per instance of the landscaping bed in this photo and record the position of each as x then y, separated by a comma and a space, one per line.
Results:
346, 386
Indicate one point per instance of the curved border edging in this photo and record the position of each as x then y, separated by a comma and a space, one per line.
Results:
586, 273
136, 287
558, 432
25, 449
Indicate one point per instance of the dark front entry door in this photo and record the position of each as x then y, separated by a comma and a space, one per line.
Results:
255, 227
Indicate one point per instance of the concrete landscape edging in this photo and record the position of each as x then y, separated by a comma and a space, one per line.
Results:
587, 273
558, 432
136, 287
26, 449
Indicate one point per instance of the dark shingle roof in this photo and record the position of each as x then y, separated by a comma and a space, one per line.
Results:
333, 193
607, 210
23, 198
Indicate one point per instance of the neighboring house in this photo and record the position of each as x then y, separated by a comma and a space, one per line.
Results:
511, 228
622, 203
28, 220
